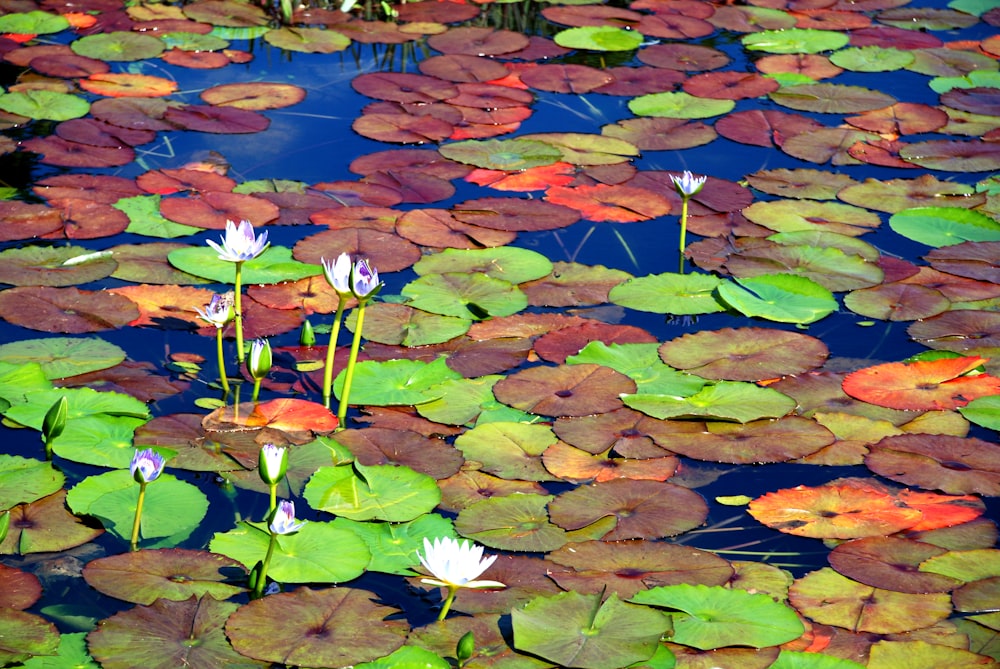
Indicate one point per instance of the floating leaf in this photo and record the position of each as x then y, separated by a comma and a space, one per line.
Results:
784, 298
24, 480
508, 450
678, 105
396, 382
273, 266
795, 40
502, 154
516, 522
118, 46
944, 226
956, 465
922, 385
726, 400
382, 492
642, 364
754, 442
33, 22
60, 357
575, 630
45, 526
717, 616
466, 296
679, 294
44, 105
394, 546
598, 38
744, 354
890, 563
569, 390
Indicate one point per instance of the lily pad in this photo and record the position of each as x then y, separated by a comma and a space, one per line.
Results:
24, 480
502, 154
755, 442
677, 104
642, 364
171, 573
465, 296
744, 354
517, 522
396, 382
45, 526
726, 400
891, 563
575, 630
118, 46
273, 266
678, 294
784, 298
795, 40
598, 38
383, 492
569, 390
509, 450
956, 465
944, 226
394, 546
944, 383
44, 105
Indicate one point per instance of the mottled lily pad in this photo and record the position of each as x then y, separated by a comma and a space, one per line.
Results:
744, 354
172, 573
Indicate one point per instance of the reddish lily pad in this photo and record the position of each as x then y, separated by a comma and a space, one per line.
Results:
170, 181
831, 599
573, 464
922, 385
45, 526
897, 302
683, 57
211, 210
953, 155
758, 441
478, 41
57, 151
403, 87
960, 331
21, 589
254, 95
126, 85
573, 285
174, 573
166, 633
100, 133
828, 145
141, 380
744, 354
558, 345
569, 390
764, 128
603, 202
65, 309
642, 509
514, 215
565, 78
903, 118
956, 465
626, 567
381, 446
975, 260
833, 511
219, 120
730, 85
525, 579
661, 133
298, 419
386, 251
167, 307
890, 563
823, 392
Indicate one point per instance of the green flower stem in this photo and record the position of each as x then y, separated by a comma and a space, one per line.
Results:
684, 223
138, 517
331, 350
222, 362
351, 362
256, 390
238, 311
452, 590
273, 504
258, 591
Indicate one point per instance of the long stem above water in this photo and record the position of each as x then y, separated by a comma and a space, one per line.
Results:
351, 362
684, 223
238, 309
222, 362
331, 350
138, 517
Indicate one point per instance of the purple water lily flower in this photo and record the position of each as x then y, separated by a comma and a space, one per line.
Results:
219, 311
365, 283
147, 465
284, 519
687, 185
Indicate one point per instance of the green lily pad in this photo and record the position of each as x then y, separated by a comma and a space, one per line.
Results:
983, 411
18, 382
829, 267
511, 263
784, 298
24, 635
509, 450
598, 38
678, 294
176, 574
502, 154
715, 617
967, 566
944, 226
63, 356
394, 546
407, 657
307, 40
642, 364
318, 553
33, 23
101, 440
53, 266
799, 215
275, 265
678, 104
795, 40
516, 522
471, 296
790, 659
872, 59
168, 634
24, 480
72, 652
726, 400
82, 402
379, 492
396, 382
467, 400
144, 217
118, 46
172, 507
333, 627
44, 105
575, 630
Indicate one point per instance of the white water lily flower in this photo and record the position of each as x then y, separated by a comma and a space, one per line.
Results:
239, 243
687, 185
456, 565
284, 519
338, 273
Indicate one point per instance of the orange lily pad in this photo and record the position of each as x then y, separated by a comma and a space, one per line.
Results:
125, 85
300, 420
922, 385
603, 202
573, 464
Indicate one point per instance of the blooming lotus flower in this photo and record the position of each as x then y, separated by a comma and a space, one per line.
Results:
364, 280
239, 243
456, 565
338, 273
687, 185
272, 463
284, 519
147, 465
219, 311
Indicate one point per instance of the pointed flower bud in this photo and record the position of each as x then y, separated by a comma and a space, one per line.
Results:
259, 363
55, 419
364, 281
338, 273
239, 243
284, 521
147, 465
687, 185
272, 463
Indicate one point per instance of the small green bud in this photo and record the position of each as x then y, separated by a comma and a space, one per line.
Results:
307, 337
55, 420
466, 647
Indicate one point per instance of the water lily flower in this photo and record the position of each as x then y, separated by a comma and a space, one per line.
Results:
284, 521
219, 311
259, 364
687, 184
147, 465
273, 463
455, 565
239, 244
338, 273
364, 281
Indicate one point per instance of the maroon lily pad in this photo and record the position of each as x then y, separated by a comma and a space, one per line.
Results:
134, 113
642, 509
196, 60
478, 41
141, 380
426, 161
903, 118
565, 78
171, 181
801, 183
764, 128
894, 38
603, 202
812, 65
310, 295
96, 187
674, 26
635, 81
23, 220
978, 100
744, 354
211, 210
380, 446
166, 634
167, 307
963, 331
592, 15
955, 465
573, 285
45, 526
86, 219
403, 87
65, 309
569, 390
683, 57
184, 434
729, 85
891, 563
20, 589
975, 260
573, 464
388, 252
827, 145
515, 214
625, 431
218, 120
411, 186
174, 573
893, 195
100, 133
440, 229
564, 342
626, 567
525, 578
659, 133
402, 128
462, 68
57, 151
897, 302
954, 155
788, 438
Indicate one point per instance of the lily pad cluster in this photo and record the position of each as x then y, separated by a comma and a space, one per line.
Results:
509, 396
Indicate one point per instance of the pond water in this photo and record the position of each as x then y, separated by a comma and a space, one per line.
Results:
737, 448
